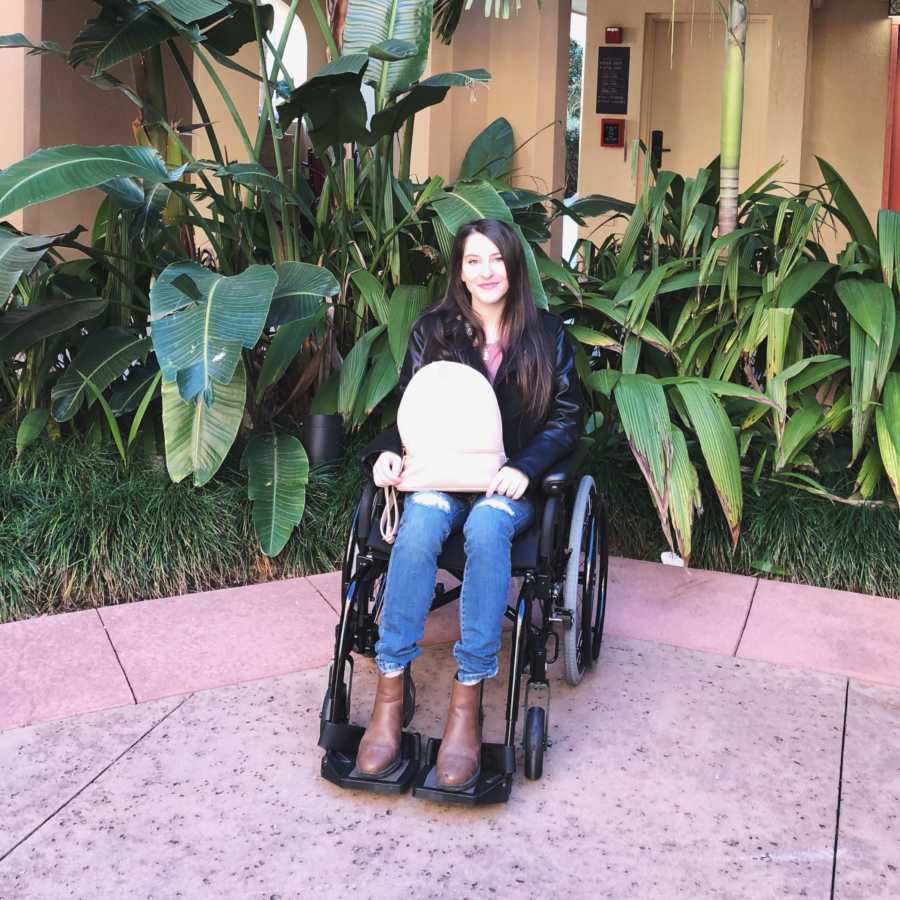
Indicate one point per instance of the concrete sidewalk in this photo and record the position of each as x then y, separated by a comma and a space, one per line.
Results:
755, 759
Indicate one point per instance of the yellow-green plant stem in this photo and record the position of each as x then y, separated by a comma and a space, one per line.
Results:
732, 115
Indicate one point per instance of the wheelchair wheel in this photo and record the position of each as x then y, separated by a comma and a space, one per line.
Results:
580, 595
602, 577
535, 738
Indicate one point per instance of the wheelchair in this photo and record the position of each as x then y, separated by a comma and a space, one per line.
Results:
562, 559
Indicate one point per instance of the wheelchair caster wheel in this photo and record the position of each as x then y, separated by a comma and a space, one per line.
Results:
535, 739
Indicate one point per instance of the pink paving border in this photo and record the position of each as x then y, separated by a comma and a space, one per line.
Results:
58, 666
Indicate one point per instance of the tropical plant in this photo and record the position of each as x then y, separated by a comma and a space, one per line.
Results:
245, 297
768, 361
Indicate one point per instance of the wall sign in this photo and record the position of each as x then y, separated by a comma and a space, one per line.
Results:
613, 69
612, 132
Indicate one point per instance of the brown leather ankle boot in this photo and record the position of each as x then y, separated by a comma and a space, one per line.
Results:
379, 750
459, 757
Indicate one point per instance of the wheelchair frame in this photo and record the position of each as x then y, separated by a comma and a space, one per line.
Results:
357, 631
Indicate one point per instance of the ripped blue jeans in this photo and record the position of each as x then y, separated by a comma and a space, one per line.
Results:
429, 517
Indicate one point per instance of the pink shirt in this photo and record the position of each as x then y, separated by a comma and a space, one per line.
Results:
492, 356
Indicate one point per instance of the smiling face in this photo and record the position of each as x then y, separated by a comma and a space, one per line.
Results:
483, 271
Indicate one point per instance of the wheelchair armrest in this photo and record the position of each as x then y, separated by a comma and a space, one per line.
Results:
366, 501
562, 474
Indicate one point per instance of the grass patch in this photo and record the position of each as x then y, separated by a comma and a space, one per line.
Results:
76, 531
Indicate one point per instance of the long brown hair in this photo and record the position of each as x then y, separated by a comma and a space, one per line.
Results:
453, 325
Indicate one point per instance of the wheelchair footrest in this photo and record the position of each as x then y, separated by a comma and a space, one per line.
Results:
341, 743
498, 763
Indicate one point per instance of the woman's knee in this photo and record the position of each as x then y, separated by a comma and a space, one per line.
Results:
426, 521
491, 523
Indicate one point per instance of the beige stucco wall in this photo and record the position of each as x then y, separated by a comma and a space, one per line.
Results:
527, 56
20, 76
846, 110
46, 104
608, 171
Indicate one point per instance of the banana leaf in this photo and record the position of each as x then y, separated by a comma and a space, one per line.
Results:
201, 320
489, 156
371, 22
55, 172
19, 254
22, 328
118, 33
198, 436
278, 471
103, 357
300, 291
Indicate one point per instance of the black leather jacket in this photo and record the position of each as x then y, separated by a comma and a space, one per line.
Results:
531, 447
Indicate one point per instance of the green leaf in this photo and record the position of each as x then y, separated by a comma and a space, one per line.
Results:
300, 291
720, 450
374, 294
392, 50
869, 474
201, 320
126, 395
407, 304
55, 172
333, 103
21, 328
469, 202
847, 207
800, 282
19, 41
865, 301
489, 156
802, 425
550, 268
117, 34
19, 254
426, 93
235, 29
103, 357
284, 347
685, 500
199, 436
188, 11
645, 418
30, 429
593, 338
778, 329
278, 475
383, 378
889, 245
148, 396
597, 205
111, 422
887, 429
354, 369
371, 22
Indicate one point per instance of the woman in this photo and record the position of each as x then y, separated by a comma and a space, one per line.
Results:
487, 320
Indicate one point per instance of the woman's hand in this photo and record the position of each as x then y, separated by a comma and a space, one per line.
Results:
508, 481
387, 469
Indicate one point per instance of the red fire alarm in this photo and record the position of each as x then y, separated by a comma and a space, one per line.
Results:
612, 132
613, 35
